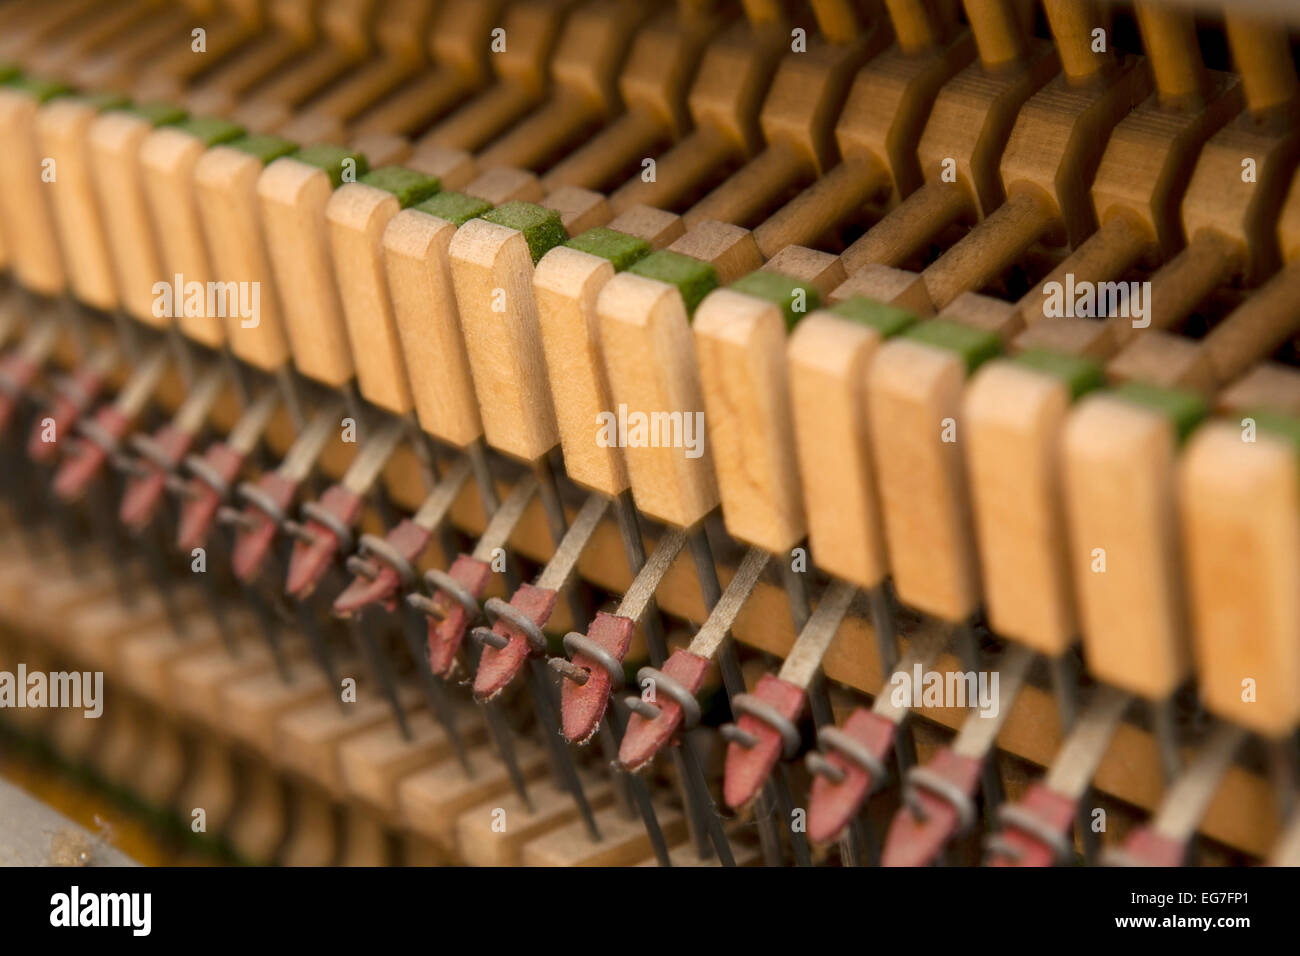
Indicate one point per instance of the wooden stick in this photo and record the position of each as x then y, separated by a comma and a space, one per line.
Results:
1263, 58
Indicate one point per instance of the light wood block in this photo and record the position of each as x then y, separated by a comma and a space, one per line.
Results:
1119, 471
97, 631
168, 157
356, 216
292, 197
33, 244
828, 358
911, 389
63, 128
623, 840
740, 343
308, 739
149, 658
200, 680
225, 183
1239, 504
650, 359
483, 845
115, 139
1013, 418
255, 705
491, 262
566, 284
433, 798
428, 323
374, 763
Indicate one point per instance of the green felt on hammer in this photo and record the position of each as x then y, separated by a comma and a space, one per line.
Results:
264, 148
211, 130
542, 228
795, 299
333, 159
157, 114
1080, 375
406, 184
7, 72
975, 346
100, 102
888, 320
693, 278
619, 248
456, 208
1183, 409
1277, 424
39, 88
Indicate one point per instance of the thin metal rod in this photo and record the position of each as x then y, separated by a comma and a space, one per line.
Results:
434, 694
561, 759
1282, 770
622, 782
699, 805
380, 668
636, 791
968, 652
501, 734
1065, 688
706, 571
796, 592
1165, 727
558, 524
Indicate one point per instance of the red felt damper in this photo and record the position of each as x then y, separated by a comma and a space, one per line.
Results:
18, 373
1150, 848
447, 634
832, 806
409, 540
747, 768
1054, 811
87, 458
498, 667
256, 534
644, 738
311, 559
201, 501
144, 492
67, 405
912, 841
583, 705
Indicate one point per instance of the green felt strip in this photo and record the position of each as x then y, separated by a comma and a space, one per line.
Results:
1277, 424
973, 345
100, 102
456, 208
1183, 409
332, 160
888, 320
210, 130
618, 247
157, 114
795, 299
1080, 375
40, 88
265, 148
693, 278
407, 185
541, 227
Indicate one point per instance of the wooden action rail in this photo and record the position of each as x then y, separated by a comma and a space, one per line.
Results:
1049, 161
1130, 363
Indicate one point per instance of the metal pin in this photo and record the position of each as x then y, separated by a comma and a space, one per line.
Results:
1164, 725
561, 760
380, 667
706, 833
